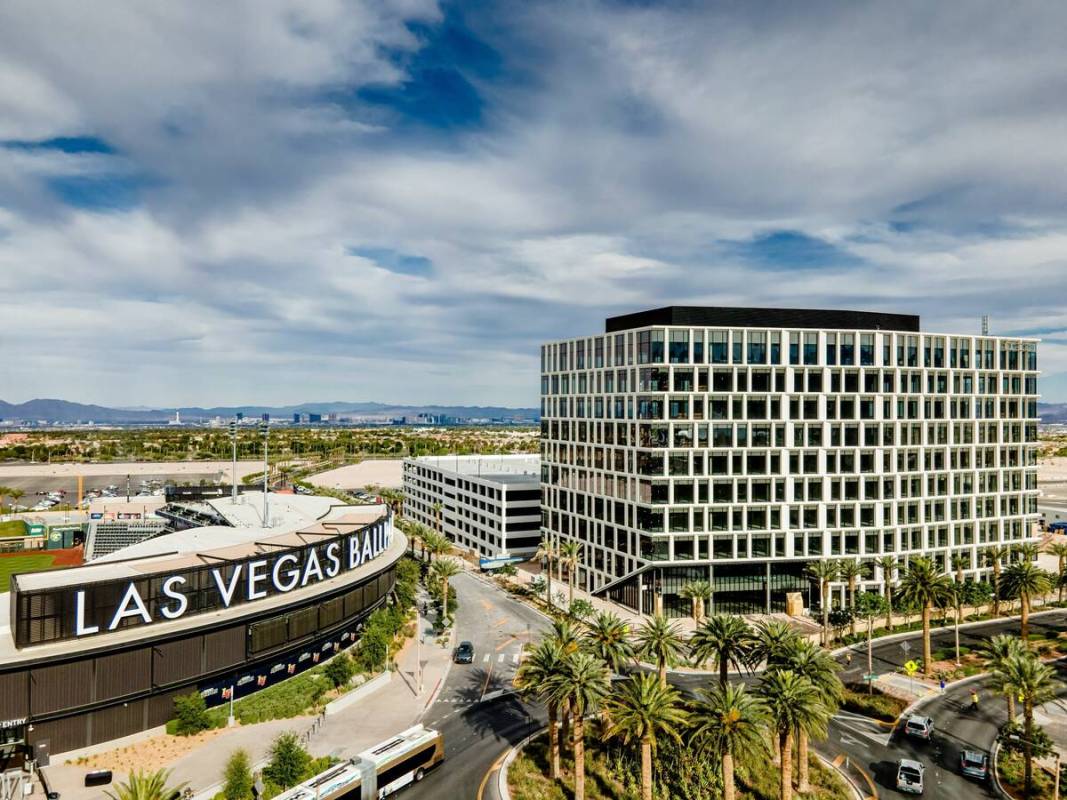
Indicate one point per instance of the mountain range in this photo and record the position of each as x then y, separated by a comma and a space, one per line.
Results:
65, 411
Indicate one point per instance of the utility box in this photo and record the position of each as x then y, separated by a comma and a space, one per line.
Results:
794, 604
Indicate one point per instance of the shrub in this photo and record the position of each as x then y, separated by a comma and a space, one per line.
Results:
237, 782
289, 762
191, 715
877, 705
580, 609
340, 669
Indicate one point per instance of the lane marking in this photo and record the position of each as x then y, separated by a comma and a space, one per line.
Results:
485, 659
500, 658
515, 658
488, 675
494, 768
874, 789
505, 643
837, 762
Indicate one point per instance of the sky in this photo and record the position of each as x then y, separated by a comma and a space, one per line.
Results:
276, 202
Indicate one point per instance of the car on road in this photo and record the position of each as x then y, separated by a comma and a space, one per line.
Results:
974, 764
919, 727
464, 653
910, 776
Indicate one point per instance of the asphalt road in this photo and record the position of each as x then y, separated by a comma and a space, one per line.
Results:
479, 731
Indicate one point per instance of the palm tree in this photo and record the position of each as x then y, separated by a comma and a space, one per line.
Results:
825, 572
546, 550
793, 703
443, 570
533, 679
1025, 580
869, 606
581, 687
819, 667
1058, 549
570, 553
15, 494
853, 571
996, 653
773, 641
6, 490
1033, 681
698, 592
1026, 551
639, 711
723, 638
146, 786
437, 509
659, 639
926, 586
435, 543
608, 638
994, 556
730, 722
888, 565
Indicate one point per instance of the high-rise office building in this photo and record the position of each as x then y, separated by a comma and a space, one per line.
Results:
738, 445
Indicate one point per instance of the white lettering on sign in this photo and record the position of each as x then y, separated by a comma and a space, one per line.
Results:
255, 578
168, 591
132, 597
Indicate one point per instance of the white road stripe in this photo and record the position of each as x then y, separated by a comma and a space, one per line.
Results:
485, 659
515, 658
500, 659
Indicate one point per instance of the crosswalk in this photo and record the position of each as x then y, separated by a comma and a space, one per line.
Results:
501, 658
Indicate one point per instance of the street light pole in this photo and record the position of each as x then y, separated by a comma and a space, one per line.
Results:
233, 469
264, 428
418, 642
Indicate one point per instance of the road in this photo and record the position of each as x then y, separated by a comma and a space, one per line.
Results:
480, 725
478, 731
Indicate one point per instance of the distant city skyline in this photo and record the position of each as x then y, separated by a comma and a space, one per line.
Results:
403, 199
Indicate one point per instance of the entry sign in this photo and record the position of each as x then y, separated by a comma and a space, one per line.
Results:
911, 667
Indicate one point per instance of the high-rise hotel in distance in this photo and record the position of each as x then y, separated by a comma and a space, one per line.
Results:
737, 445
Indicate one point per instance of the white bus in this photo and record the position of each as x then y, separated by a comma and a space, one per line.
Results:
377, 772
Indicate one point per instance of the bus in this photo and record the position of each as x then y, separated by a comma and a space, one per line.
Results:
378, 772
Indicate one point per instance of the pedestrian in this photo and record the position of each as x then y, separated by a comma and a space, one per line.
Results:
848, 659
942, 685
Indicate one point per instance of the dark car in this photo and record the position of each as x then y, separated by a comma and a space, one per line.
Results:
464, 653
974, 764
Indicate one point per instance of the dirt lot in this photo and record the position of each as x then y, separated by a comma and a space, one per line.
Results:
385, 472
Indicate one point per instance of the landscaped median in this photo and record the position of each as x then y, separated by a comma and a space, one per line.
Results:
614, 773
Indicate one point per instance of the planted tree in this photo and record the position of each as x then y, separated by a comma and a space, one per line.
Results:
1059, 549
724, 639
926, 586
660, 640
288, 763
868, 606
995, 654
730, 723
190, 712
1033, 681
533, 679
608, 638
570, 553
1024, 580
443, 571
698, 593
581, 686
825, 572
142, 785
546, 551
237, 778
888, 566
852, 571
994, 557
339, 670
793, 703
641, 710
819, 667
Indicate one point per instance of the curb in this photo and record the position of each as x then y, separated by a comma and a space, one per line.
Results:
502, 773
997, 787
856, 791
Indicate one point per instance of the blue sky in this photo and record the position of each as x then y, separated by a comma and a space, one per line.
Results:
400, 200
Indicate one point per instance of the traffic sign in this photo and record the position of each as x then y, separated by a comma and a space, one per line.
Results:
905, 646
870, 677
911, 667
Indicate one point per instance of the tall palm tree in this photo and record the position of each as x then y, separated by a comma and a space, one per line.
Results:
533, 679
608, 638
437, 509
546, 551
570, 553
792, 703
730, 722
819, 667
995, 654
1058, 549
926, 586
994, 557
1026, 551
659, 639
435, 543
853, 571
825, 572
15, 494
641, 710
773, 641
581, 687
142, 785
1033, 681
698, 593
1025, 580
888, 565
443, 570
725, 639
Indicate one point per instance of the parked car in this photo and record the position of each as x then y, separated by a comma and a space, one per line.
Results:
974, 764
464, 653
919, 727
910, 776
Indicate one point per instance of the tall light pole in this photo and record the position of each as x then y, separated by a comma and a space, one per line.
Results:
264, 428
233, 474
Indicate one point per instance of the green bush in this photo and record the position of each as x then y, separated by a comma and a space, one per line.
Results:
190, 713
289, 761
237, 779
340, 669
877, 705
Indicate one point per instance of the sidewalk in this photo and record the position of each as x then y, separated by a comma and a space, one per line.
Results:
394, 707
